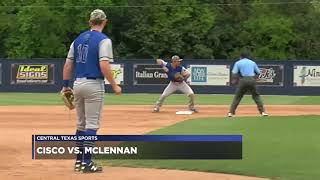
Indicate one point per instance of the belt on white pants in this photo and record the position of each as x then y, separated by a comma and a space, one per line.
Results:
89, 78
177, 82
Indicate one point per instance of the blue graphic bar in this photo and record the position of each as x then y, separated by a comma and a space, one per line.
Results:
32, 147
144, 138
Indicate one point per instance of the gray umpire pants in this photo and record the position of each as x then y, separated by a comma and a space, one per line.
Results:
246, 84
89, 101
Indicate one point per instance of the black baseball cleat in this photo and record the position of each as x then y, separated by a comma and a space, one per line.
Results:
77, 166
90, 168
193, 110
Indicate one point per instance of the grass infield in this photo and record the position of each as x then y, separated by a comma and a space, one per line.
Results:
285, 148
148, 99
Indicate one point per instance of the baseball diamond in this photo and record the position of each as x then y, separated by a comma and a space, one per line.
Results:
137, 120
139, 90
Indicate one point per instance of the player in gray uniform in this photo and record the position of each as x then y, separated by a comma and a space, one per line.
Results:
175, 85
89, 56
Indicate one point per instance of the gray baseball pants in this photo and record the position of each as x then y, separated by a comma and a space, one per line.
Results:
89, 100
177, 86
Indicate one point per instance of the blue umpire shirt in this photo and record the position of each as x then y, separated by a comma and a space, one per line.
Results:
246, 67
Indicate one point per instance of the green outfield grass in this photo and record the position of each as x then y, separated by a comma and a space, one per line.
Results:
147, 99
285, 148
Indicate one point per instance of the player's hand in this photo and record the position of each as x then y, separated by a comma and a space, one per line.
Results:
64, 89
159, 61
117, 89
185, 74
234, 81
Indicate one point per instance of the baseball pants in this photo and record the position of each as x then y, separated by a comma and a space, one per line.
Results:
177, 86
89, 101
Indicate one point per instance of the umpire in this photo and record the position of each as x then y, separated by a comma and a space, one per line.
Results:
247, 71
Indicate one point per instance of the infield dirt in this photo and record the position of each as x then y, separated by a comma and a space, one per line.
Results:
18, 123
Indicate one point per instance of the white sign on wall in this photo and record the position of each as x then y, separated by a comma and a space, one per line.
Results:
118, 73
306, 76
210, 75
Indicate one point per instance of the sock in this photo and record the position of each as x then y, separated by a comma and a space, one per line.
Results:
79, 144
88, 156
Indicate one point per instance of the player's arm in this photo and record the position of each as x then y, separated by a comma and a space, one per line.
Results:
67, 68
105, 57
163, 64
235, 74
107, 72
159, 61
185, 73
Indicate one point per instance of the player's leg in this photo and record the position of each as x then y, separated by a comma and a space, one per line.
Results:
81, 121
241, 90
186, 89
171, 88
257, 99
94, 99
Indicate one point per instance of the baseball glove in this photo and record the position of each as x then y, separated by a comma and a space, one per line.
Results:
178, 77
68, 97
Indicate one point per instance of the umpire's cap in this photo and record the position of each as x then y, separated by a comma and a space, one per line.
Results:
97, 15
176, 58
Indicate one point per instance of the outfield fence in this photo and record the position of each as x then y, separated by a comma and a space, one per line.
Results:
143, 76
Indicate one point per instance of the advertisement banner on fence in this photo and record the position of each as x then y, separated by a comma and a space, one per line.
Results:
209, 75
271, 75
32, 74
149, 74
118, 73
306, 76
